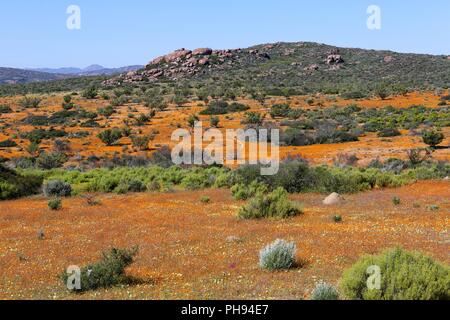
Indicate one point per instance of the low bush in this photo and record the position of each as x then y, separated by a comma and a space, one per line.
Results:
242, 191
30, 102
55, 204
433, 138
90, 92
5, 109
274, 205
14, 185
324, 291
37, 135
277, 256
389, 132
126, 186
110, 137
214, 122
396, 201
404, 276
108, 272
57, 188
216, 108
253, 118
8, 144
237, 107
52, 160
107, 111
280, 111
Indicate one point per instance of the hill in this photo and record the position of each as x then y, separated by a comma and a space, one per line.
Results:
91, 70
301, 66
18, 76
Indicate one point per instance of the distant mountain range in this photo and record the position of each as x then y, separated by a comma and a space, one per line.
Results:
94, 69
13, 75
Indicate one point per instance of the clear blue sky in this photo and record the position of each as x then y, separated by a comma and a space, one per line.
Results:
117, 33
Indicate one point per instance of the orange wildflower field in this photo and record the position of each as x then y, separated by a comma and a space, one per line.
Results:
189, 249
369, 147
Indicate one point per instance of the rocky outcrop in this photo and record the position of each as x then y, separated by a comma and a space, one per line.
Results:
388, 59
202, 52
334, 57
184, 63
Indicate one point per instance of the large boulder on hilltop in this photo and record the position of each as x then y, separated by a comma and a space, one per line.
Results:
158, 60
178, 54
202, 52
333, 199
171, 57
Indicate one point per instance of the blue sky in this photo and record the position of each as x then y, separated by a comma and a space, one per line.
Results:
118, 33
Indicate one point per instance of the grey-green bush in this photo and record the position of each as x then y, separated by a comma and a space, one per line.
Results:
404, 276
324, 291
278, 255
57, 188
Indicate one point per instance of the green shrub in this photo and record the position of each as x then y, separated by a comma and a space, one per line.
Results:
280, 111
52, 160
337, 218
192, 120
141, 142
254, 118
242, 191
381, 91
107, 111
14, 185
55, 204
205, 199
396, 201
237, 107
57, 188
90, 92
110, 137
8, 144
324, 291
216, 108
404, 276
432, 138
108, 272
277, 256
273, 205
30, 102
389, 132
214, 122
5, 108
126, 186
37, 135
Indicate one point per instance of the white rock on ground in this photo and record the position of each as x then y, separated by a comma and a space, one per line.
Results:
333, 199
